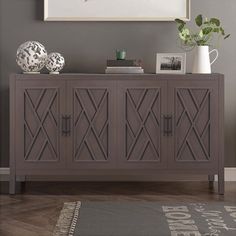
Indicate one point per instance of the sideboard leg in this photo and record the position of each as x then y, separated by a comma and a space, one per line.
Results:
12, 184
211, 179
221, 172
221, 183
23, 183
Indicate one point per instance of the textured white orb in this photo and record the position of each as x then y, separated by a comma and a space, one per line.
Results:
31, 56
55, 62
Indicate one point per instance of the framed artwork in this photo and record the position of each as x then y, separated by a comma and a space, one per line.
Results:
171, 63
116, 10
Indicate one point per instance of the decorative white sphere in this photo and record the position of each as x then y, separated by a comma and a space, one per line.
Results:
55, 62
31, 56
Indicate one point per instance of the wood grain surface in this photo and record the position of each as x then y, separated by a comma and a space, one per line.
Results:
36, 210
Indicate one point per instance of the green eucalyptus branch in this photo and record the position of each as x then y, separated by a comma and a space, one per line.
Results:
207, 30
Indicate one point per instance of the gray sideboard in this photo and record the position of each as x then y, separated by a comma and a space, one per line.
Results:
116, 125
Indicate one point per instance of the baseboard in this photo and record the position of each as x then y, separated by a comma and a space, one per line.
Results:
230, 174
4, 174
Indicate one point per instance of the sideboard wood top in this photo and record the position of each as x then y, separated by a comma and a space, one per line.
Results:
117, 76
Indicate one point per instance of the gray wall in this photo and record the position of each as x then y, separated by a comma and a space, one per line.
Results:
87, 45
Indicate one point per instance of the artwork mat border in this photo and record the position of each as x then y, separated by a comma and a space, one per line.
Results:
183, 64
171, 18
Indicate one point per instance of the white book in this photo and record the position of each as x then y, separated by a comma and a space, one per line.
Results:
124, 67
124, 70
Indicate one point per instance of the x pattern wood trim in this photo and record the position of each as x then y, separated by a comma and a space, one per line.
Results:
193, 120
40, 120
143, 122
90, 122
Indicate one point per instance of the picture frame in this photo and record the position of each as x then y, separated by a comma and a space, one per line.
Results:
116, 10
171, 63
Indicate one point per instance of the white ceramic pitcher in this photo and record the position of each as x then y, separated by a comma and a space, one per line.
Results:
202, 63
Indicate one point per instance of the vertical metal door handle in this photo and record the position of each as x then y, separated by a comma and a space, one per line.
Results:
66, 125
68, 121
165, 124
63, 125
169, 125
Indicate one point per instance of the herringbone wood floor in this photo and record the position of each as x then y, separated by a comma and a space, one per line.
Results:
35, 211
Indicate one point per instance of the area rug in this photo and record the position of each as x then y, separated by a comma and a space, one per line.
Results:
146, 219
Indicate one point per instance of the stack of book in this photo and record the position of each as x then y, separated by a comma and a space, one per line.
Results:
124, 67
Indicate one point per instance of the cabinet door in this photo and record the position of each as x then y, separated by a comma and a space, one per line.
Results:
141, 142
91, 105
194, 106
39, 105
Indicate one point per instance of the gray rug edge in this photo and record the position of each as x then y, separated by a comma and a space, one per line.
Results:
67, 220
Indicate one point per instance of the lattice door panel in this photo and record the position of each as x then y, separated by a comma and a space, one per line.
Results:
142, 124
193, 124
91, 124
41, 124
